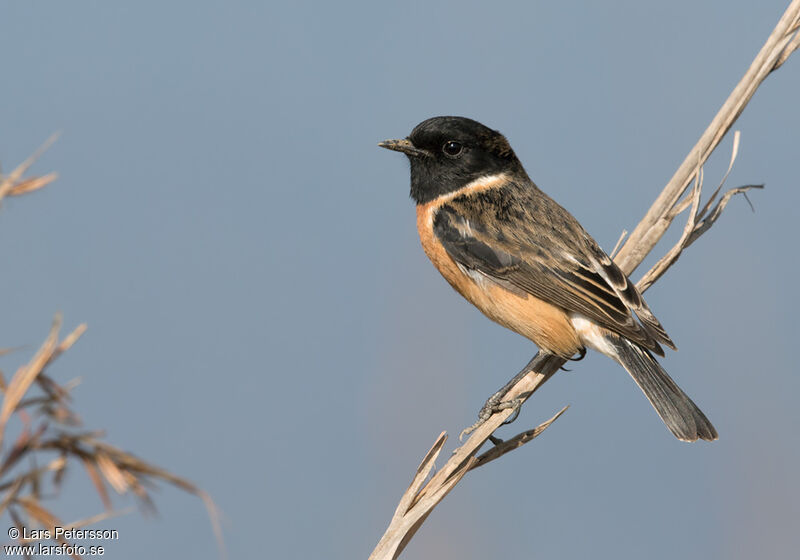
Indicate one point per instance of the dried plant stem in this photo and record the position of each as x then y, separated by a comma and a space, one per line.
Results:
47, 431
13, 184
783, 40
420, 498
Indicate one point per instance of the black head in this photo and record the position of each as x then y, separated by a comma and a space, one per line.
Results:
446, 153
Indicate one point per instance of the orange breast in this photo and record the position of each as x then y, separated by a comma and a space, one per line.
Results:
546, 325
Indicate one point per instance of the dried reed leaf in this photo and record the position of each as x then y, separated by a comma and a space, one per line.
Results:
69, 340
25, 375
214, 515
502, 447
32, 184
59, 467
737, 135
790, 47
618, 244
425, 506
665, 262
97, 518
9, 181
715, 213
112, 473
97, 480
38, 512
11, 495
27, 476
424, 469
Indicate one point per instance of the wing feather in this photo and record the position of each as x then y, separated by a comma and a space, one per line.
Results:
520, 238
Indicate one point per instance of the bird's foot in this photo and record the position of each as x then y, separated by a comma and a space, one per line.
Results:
492, 406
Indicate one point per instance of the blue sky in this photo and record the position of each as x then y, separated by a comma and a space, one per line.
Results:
263, 321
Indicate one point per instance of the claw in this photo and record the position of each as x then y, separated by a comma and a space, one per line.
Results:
581, 355
493, 406
469, 430
516, 404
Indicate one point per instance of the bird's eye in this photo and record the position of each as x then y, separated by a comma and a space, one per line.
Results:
452, 148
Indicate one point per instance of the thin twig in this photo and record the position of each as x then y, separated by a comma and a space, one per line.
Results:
619, 243
672, 255
706, 224
502, 447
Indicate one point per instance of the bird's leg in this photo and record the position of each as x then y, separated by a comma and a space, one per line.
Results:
495, 403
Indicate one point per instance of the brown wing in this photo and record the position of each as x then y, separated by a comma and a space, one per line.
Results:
519, 237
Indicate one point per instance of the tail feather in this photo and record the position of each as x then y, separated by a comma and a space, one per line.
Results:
683, 418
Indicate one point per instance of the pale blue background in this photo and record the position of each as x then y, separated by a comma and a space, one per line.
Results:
263, 321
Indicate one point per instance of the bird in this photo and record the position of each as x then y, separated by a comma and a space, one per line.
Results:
527, 264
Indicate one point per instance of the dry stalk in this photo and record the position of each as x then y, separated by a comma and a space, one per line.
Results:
420, 498
14, 185
782, 42
47, 435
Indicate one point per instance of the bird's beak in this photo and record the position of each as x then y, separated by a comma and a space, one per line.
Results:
404, 146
